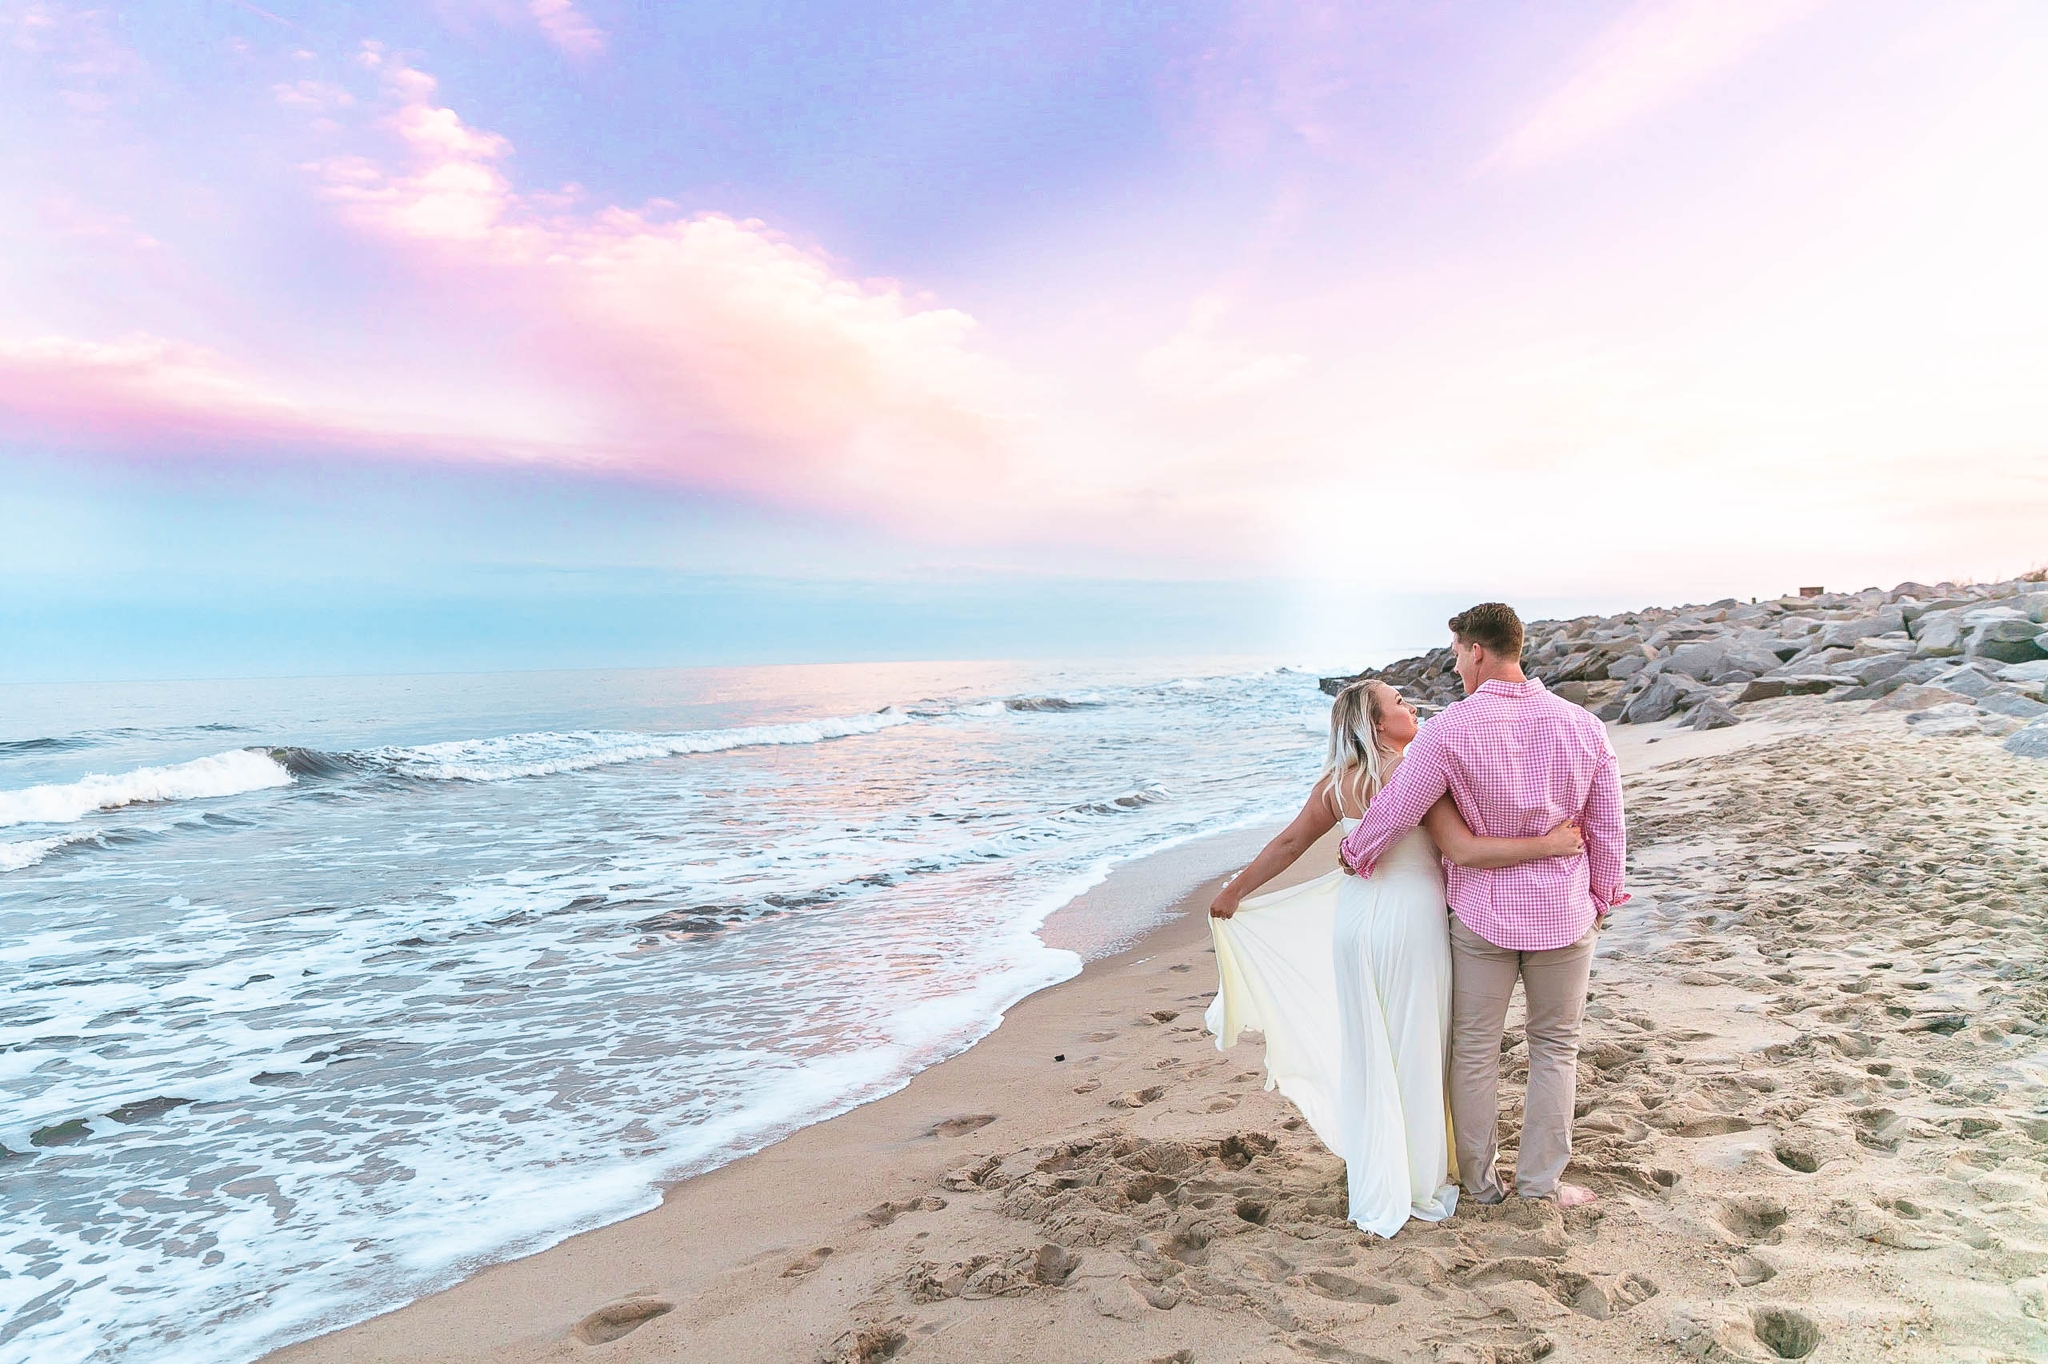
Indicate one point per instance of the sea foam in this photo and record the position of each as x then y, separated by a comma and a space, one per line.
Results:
223, 774
546, 753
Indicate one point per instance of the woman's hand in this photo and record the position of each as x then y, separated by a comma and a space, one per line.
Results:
1226, 902
1564, 841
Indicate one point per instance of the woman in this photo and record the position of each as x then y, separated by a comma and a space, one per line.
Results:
1349, 977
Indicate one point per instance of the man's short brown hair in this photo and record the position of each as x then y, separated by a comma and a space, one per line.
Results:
1492, 625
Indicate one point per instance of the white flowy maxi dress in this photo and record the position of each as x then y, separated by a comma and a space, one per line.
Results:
1349, 978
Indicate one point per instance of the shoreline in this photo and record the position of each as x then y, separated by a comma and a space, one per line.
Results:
1138, 890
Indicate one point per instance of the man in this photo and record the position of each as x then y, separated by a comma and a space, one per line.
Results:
1516, 761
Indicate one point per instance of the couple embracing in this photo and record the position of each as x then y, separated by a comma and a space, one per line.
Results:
1382, 1015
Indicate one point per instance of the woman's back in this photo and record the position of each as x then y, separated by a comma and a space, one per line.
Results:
1412, 853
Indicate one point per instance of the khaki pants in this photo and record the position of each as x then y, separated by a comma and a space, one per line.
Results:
1554, 986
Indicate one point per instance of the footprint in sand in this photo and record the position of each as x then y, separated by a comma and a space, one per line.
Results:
1751, 1270
882, 1214
1510, 1344
1785, 1331
809, 1264
1797, 1153
869, 1344
962, 1125
617, 1319
1343, 1288
1880, 1129
1753, 1219
1322, 1347
1138, 1098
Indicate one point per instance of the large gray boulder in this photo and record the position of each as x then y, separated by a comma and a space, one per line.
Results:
1874, 668
2008, 641
1945, 721
2011, 703
1808, 662
2037, 671
1920, 697
2035, 604
1711, 714
1837, 634
1914, 611
1669, 693
2031, 742
1939, 634
1969, 679
1766, 688
1720, 660
1915, 672
1870, 691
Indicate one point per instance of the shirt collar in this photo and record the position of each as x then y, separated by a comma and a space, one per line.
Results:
1528, 686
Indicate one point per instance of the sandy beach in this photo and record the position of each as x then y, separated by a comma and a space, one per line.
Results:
1813, 1096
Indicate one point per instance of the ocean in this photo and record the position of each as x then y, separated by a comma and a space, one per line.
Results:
319, 994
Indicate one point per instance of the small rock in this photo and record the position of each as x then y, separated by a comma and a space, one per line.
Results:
2030, 742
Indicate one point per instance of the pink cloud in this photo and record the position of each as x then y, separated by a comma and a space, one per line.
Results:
139, 384
1656, 53
706, 348
168, 394
567, 27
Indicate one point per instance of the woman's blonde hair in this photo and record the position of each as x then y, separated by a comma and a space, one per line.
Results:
1355, 740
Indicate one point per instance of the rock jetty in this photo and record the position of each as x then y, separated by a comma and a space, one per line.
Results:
1950, 658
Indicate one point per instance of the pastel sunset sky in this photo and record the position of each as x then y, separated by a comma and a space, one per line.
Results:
466, 333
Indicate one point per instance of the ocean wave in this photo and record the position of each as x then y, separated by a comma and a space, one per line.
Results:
11, 747
29, 851
223, 774
1053, 703
1133, 800
311, 762
547, 752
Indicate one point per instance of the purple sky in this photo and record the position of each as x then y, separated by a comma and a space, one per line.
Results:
334, 312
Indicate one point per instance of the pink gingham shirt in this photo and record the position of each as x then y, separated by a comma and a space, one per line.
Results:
1516, 761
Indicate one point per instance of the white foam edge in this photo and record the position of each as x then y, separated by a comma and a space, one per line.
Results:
221, 774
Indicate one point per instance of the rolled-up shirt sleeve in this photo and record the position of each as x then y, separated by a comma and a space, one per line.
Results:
1419, 782
1606, 835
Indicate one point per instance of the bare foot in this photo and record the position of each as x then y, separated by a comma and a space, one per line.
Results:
1572, 1196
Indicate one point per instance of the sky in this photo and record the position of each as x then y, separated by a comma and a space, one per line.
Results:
516, 333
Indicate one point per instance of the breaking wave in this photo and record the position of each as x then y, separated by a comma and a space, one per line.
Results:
223, 774
29, 851
1029, 703
546, 753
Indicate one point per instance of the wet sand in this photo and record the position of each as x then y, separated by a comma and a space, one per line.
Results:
1813, 1097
